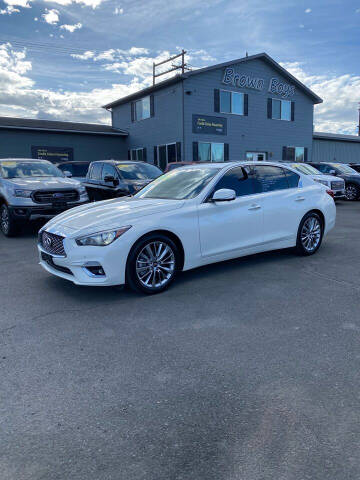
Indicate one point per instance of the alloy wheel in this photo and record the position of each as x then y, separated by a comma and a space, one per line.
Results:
155, 265
5, 220
351, 192
311, 234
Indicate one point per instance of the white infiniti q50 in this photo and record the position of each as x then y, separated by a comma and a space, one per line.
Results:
189, 217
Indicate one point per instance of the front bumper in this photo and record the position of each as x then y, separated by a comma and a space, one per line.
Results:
79, 262
40, 211
338, 194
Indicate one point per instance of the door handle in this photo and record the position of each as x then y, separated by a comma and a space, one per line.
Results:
254, 206
299, 199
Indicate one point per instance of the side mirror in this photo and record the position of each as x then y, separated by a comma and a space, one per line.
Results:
224, 195
332, 172
111, 179
67, 173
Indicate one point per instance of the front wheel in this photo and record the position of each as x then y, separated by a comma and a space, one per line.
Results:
310, 234
352, 192
8, 225
152, 264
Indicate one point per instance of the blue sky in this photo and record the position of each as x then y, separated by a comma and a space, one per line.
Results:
63, 59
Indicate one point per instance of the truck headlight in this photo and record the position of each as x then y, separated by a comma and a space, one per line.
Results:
22, 193
101, 239
82, 190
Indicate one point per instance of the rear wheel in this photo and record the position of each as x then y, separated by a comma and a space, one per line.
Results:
352, 191
310, 234
152, 264
8, 225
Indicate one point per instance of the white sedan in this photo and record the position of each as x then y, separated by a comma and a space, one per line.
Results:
189, 217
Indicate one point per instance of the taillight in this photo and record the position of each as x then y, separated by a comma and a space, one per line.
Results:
331, 193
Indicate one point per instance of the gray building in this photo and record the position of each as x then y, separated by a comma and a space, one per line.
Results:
60, 141
332, 147
247, 108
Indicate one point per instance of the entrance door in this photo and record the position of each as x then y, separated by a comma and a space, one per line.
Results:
256, 156
166, 154
162, 157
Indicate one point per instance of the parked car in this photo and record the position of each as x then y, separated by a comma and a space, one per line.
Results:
189, 217
31, 189
351, 176
336, 184
355, 166
75, 170
114, 178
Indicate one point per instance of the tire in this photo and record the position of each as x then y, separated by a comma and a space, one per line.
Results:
8, 226
352, 192
310, 234
149, 269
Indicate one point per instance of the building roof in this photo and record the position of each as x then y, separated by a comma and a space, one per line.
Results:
61, 127
178, 78
336, 137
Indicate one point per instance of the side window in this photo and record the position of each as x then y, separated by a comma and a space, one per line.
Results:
292, 178
271, 178
95, 173
238, 179
108, 170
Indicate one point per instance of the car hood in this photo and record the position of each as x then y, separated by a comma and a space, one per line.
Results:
351, 178
48, 183
117, 212
328, 178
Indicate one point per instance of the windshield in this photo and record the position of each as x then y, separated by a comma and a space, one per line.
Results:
76, 169
180, 184
344, 168
305, 169
138, 171
19, 169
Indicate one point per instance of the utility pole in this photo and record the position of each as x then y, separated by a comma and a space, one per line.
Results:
183, 66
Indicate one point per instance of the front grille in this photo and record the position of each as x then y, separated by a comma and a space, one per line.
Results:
337, 185
51, 196
52, 243
48, 259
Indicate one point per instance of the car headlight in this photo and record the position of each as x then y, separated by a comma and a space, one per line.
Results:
22, 193
101, 239
324, 182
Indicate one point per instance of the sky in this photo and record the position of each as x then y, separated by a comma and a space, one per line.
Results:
64, 59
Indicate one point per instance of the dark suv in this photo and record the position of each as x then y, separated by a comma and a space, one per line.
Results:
351, 177
115, 178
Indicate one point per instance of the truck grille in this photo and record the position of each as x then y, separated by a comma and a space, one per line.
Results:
52, 243
337, 185
51, 196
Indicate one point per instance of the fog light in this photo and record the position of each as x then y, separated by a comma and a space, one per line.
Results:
94, 269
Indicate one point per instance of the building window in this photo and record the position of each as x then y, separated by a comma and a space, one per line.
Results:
232, 102
281, 109
211, 152
138, 154
295, 154
141, 109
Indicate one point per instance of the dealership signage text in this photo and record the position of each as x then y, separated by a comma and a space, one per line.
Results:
246, 81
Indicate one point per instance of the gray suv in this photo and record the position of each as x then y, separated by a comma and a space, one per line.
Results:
32, 189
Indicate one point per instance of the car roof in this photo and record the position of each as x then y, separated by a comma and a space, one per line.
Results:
112, 160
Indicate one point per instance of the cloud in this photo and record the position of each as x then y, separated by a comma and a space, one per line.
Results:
83, 56
51, 16
9, 10
118, 11
71, 28
308, 10
86, 3
18, 3
338, 112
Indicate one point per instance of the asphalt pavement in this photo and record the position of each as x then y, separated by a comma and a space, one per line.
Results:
244, 370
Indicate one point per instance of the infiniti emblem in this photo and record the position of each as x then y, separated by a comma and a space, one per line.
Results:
47, 241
